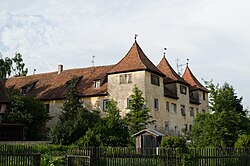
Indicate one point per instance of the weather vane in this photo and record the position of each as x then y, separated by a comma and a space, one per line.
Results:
164, 52
136, 36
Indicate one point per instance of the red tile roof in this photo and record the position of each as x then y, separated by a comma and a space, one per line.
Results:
171, 75
49, 86
190, 78
135, 60
4, 97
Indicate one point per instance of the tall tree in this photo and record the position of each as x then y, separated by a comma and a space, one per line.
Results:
5, 67
18, 66
139, 116
75, 120
111, 130
226, 121
12, 66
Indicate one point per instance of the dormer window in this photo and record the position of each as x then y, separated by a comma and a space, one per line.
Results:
97, 84
155, 80
183, 89
125, 78
24, 91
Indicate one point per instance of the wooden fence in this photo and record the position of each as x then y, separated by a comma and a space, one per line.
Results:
165, 157
14, 155
19, 155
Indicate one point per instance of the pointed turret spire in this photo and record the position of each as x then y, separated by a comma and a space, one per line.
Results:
135, 60
191, 79
169, 72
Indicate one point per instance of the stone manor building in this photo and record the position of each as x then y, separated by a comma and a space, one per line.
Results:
174, 101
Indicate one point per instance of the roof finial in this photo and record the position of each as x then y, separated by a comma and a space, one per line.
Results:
93, 60
135, 36
187, 61
164, 52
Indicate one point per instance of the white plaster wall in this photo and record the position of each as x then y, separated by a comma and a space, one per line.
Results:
120, 92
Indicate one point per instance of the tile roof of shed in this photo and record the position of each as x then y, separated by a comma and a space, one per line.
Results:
135, 60
49, 86
191, 79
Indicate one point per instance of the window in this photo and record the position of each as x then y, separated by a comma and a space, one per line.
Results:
183, 113
191, 109
24, 91
155, 80
105, 104
173, 108
125, 78
167, 106
46, 107
192, 94
97, 84
128, 102
183, 89
186, 127
197, 111
203, 111
167, 129
204, 96
175, 130
156, 104
190, 127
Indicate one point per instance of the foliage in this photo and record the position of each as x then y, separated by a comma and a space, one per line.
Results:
18, 66
243, 141
12, 65
5, 67
31, 113
52, 155
75, 120
174, 142
202, 133
138, 118
109, 131
227, 119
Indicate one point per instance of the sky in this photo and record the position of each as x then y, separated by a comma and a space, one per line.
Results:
213, 34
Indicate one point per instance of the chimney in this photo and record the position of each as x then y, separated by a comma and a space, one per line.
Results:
60, 68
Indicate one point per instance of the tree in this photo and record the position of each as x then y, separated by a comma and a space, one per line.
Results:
75, 120
5, 67
18, 66
13, 66
31, 113
138, 118
226, 121
224, 98
111, 130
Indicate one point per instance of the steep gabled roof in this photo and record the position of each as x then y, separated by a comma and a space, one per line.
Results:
171, 75
52, 86
135, 60
191, 79
4, 97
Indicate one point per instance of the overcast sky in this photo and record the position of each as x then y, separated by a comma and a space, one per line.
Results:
213, 34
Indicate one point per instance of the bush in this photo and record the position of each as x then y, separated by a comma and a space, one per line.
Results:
242, 141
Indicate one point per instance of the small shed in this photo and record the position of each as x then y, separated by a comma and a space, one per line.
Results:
148, 140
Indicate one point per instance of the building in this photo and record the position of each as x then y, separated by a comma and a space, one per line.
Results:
8, 131
174, 101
